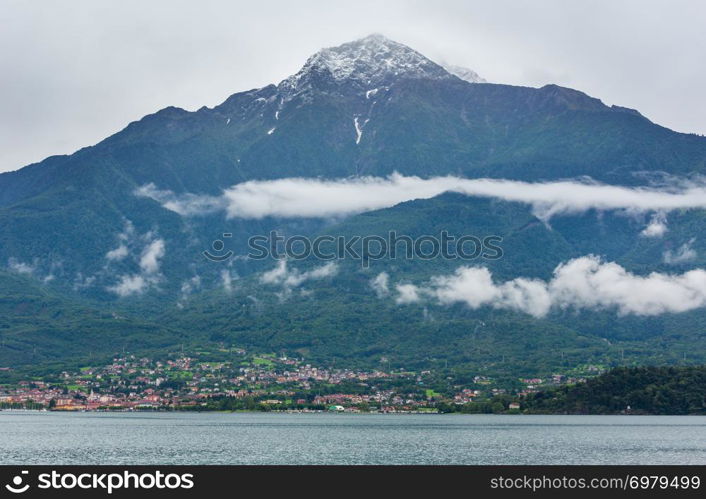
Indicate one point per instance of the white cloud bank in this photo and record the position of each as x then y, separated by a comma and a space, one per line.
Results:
305, 197
581, 283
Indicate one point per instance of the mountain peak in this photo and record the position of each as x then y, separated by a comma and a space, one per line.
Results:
368, 62
374, 58
464, 73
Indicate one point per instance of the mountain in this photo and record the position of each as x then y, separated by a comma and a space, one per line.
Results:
81, 229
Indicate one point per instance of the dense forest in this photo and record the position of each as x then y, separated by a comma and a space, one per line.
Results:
634, 390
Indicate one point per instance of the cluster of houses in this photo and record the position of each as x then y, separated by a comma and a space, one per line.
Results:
130, 383
36, 395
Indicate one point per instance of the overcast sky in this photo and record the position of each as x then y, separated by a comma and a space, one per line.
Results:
74, 72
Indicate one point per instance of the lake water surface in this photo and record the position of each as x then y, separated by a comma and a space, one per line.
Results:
253, 438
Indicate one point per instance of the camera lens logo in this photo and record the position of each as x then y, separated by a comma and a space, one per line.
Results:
16, 487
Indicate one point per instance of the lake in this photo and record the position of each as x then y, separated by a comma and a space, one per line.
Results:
264, 438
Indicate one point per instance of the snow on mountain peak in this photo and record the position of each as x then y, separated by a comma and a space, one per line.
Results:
369, 62
374, 57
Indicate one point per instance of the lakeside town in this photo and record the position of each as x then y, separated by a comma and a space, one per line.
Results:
265, 383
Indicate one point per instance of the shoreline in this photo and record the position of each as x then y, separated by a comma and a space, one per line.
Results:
337, 413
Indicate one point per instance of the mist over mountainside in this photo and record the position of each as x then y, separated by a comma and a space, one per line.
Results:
97, 247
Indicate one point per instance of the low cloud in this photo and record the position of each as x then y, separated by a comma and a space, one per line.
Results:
149, 261
149, 275
187, 287
124, 239
581, 283
130, 285
19, 267
303, 197
407, 293
43, 270
117, 254
657, 226
381, 284
288, 278
684, 254
83, 282
227, 280
183, 204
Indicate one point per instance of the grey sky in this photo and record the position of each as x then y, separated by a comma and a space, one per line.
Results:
74, 72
